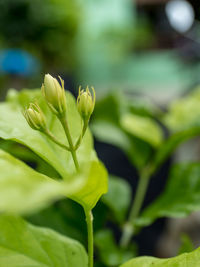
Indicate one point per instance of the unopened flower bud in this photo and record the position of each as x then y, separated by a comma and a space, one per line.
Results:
54, 94
86, 102
35, 117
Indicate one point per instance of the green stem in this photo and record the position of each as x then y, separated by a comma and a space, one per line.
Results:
64, 123
128, 230
88, 213
55, 140
89, 220
85, 125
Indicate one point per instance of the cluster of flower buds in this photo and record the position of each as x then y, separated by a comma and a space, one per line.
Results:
54, 94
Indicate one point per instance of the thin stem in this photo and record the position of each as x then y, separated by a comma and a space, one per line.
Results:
88, 213
89, 220
55, 140
85, 125
128, 230
64, 123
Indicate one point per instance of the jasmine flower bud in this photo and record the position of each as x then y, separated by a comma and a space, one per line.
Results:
86, 102
35, 117
54, 94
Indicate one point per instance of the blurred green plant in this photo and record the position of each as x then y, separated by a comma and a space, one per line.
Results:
139, 132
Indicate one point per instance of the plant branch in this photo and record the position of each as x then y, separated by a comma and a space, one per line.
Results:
85, 125
64, 123
128, 229
55, 140
89, 220
88, 213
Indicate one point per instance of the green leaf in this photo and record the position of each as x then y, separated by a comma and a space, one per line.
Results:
107, 128
171, 144
94, 188
110, 254
191, 259
65, 216
22, 244
118, 197
13, 126
113, 134
142, 127
23, 190
184, 113
186, 244
181, 196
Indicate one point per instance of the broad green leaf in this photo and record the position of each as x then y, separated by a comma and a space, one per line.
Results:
184, 113
94, 188
107, 128
142, 127
109, 252
181, 196
186, 244
25, 154
191, 259
23, 190
22, 244
13, 126
118, 197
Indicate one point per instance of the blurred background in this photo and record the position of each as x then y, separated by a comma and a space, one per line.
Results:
149, 46
144, 49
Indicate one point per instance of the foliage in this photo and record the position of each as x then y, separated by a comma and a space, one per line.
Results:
22, 244
118, 197
70, 168
187, 259
180, 197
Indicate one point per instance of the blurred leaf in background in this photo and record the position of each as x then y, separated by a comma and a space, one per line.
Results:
180, 198
118, 197
109, 125
109, 252
45, 28
184, 113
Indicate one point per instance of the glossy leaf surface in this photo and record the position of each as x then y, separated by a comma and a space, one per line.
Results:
22, 244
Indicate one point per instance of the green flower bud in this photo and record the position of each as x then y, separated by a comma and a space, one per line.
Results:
54, 94
86, 102
35, 117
